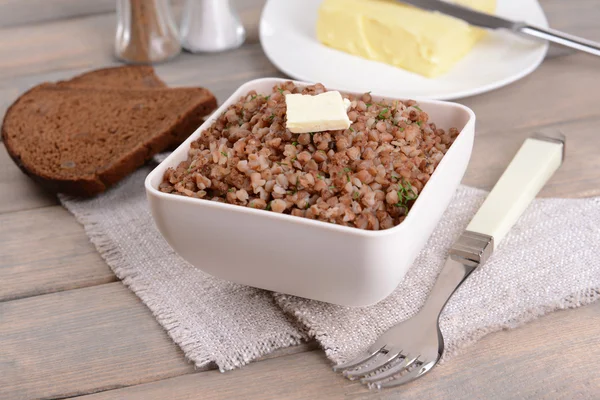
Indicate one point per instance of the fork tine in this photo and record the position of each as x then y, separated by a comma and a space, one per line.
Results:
364, 357
377, 362
411, 376
396, 369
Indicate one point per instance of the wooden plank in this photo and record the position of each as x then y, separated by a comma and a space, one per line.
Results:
74, 43
85, 42
20, 12
46, 250
579, 176
549, 95
575, 17
532, 362
83, 341
74, 342
17, 191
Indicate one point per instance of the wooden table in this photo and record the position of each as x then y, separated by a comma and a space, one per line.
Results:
69, 328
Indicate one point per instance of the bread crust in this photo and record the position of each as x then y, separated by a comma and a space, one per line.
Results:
134, 76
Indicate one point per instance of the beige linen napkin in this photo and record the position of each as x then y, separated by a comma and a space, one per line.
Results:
550, 260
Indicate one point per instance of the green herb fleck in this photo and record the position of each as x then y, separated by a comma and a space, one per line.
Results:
406, 193
267, 97
231, 190
401, 129
253, 97
268, 208
382, 113
319, 176
307, 206
355, 195
280, 90
369, 92
417, 107
351, 129
347, 171
419, 123
294, 143
369, 104
332, 187
224, 154
271, 117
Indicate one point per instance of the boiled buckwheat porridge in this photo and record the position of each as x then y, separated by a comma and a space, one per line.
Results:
367, 176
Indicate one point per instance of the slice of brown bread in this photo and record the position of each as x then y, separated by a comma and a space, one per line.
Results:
80, 141
122, 77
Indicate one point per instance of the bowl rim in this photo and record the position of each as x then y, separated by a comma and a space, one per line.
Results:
347, 230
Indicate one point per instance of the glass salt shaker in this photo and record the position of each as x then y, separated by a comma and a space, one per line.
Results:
211, 26
146, 32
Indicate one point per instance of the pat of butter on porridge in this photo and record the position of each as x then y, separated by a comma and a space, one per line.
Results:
323, 112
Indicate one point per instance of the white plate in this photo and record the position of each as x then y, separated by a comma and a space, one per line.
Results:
287, 34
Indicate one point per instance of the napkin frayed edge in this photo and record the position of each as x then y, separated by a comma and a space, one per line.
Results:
121, 267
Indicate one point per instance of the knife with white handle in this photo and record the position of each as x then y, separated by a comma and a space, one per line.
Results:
533, 165
488, 21
528, 172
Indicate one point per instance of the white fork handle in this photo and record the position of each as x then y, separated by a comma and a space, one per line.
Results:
535, 162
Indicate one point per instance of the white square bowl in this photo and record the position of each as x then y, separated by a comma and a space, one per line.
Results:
300, 256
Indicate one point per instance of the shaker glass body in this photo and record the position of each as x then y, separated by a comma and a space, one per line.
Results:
146, 31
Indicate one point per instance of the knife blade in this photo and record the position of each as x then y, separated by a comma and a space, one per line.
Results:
469, 15
488, 21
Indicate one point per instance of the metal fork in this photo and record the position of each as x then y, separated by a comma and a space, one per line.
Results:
413, 347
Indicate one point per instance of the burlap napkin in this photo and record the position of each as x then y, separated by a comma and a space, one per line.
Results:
550, 260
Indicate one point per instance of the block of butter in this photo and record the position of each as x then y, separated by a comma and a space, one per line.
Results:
423, 42
322, 112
